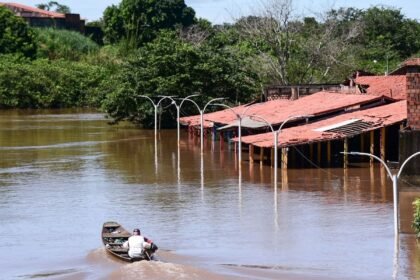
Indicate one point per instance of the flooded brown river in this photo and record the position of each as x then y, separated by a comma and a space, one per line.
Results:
64, 173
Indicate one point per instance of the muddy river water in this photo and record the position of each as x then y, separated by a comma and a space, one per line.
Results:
64, 173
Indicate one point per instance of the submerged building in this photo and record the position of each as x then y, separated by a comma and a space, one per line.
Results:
367, 113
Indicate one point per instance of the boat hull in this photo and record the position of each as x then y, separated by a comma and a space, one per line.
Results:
113, 237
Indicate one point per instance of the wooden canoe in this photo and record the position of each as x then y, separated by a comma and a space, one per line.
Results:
113, 237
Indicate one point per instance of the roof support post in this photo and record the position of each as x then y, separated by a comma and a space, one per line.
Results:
329, 152
261, 156
213, 133
284, 158
221, 140
293, 156
383, 142
372, 146
311, 151
319, 152
362, 142
284, 180
251, 153
346, 150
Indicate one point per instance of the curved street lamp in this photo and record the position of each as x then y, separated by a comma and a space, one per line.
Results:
178, 109
239, 117
155, 105
276, 135
394, 178
202, 116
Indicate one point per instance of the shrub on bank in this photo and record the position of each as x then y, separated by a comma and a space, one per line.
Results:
416, 221
63, 44
49, 84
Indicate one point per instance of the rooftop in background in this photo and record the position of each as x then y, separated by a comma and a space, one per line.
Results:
27, 11
36, 17
409, 66
276, 111
394, 86
338, 127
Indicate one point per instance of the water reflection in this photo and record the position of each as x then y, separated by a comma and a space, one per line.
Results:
329, 223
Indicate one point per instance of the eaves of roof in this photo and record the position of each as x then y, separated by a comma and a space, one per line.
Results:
277, 111
334, 128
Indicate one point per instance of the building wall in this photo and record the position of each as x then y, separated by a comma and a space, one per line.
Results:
413, 100
410, 138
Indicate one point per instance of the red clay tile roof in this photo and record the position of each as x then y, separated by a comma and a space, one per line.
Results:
412, 62
228, 115
37, 12
277, 111
391, 86
316, 132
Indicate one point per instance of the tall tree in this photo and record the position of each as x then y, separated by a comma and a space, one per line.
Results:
15, 35
54, 6
171, 66
294, 50
141, 20
388, 37
113, 25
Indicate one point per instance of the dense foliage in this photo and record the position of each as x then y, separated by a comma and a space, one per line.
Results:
15, 35
49, 84
173, 67
138, 21
416, 220
63, 44
158, 48
54, 6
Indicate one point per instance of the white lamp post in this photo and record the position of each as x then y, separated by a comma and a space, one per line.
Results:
202, 116
239, 117
178, 109
155, 105
394, 179
276, 136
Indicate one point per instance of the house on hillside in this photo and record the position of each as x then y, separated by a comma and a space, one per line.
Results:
42, 18
36, 17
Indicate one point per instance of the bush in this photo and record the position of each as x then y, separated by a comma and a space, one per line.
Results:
63, 44
49, 84
416, 221
15, 35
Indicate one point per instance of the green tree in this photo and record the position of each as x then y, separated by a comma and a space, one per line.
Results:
172, 66
113, 25
15, 35
63, 44
140, 20
42, 83
387, 38
296, 51
54, 6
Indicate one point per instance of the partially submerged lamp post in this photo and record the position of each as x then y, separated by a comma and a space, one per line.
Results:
239, 117
276, 136
394, 178
155, 105
202, 116
178, 109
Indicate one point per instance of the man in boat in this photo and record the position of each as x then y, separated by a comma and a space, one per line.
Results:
136, 244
